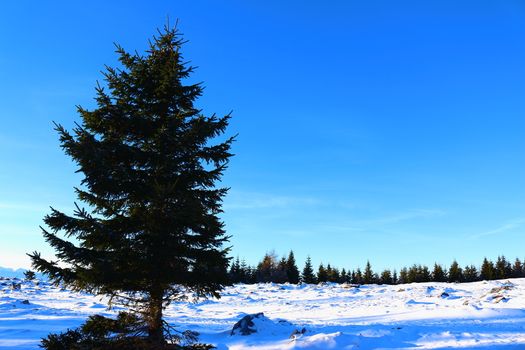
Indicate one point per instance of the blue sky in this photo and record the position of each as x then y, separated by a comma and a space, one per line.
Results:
367, 130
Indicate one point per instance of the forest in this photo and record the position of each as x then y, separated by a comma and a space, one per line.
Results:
285, 270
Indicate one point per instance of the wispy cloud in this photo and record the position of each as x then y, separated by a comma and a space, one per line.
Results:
23, 206
252, 200
405, 216
508, 226
377, 224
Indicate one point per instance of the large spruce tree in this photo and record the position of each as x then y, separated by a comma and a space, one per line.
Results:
148, 230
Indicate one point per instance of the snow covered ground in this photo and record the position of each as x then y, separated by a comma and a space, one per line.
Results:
480, 315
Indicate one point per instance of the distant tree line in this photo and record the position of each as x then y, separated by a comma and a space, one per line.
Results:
281, 270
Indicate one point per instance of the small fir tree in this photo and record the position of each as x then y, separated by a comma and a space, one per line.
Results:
358, 278
517, 269
266, 269
487, 270
244, 272
470, 273
403, 276
291, 269
438, 274
333, 274
344, 278
29, 275
235, 271
424, 274
281, 272
368, 275
455, 273
307, 275
322, 276
503, 268
386, 277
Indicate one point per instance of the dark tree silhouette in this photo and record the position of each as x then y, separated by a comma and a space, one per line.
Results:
150, 229
292, 271
307, 275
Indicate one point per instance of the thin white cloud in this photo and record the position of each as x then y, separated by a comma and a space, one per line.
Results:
406, 216
23, 206
252, 200
508, 226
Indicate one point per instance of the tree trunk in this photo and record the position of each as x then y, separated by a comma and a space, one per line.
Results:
155, 331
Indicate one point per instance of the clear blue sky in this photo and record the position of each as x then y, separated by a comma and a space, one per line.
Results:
367, 130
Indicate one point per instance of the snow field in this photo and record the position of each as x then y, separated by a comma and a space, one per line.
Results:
479, 315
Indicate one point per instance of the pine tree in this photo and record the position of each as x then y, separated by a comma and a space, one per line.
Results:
503, 268
424, 274
267, 268
386, 277
322, 276
455, 273
517, 269
394, 278
281, 272
333, 274
368, 275
470, 273
358, 278
150, 229
291, 269
235, 271
308, 272
413, 273
244, 272
344, 278
403, 276
438, 274
29, 275
487, 270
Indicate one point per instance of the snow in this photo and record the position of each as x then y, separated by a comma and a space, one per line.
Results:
479, 315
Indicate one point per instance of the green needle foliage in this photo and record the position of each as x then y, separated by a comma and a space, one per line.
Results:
148, 231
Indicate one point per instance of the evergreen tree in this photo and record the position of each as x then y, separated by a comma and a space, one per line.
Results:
386, 277
235, 271
251, 275
517, 269
244, 272
291, 269
358, 279
329, 273
394, 277
438, 274
266, 269
322, 276
418, 273
412, 275
334, 275
503, 268
308, 272
487, 270
424, 274
403, 276
455, 273
281, 274
470, 273
29, 275
368, 276
150, 229
344, 278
